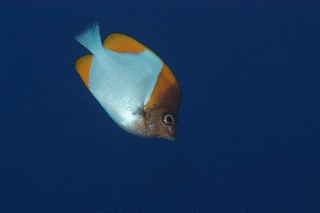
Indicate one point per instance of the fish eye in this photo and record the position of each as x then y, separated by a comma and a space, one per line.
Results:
168, 118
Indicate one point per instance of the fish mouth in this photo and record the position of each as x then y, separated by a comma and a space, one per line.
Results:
172, 137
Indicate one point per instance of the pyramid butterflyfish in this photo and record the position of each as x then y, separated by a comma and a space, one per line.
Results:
133, 84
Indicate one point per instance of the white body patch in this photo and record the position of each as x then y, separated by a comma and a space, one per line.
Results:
121, 82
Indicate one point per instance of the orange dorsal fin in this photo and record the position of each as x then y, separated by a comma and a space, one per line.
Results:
83, 65
123, 44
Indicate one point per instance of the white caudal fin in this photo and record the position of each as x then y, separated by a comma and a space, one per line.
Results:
90, 38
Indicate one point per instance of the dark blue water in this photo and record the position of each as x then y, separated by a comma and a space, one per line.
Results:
248, 126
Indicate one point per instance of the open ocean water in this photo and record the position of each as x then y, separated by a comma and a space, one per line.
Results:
249, 122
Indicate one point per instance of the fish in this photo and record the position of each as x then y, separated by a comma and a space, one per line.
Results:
132, 83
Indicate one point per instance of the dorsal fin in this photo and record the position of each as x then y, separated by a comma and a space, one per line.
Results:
123, 44
83, 65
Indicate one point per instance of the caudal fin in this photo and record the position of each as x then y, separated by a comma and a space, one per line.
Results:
90, 38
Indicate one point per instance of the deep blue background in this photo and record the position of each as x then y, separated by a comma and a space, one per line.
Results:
249, 121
